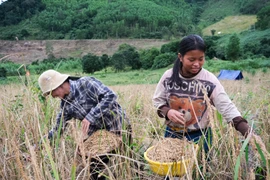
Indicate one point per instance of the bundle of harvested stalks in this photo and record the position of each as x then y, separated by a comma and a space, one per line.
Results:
101, 142
171, 150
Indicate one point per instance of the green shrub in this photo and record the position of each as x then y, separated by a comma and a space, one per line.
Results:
210, 42
264, 70
3, 73
126, 57
65, 64
118, 61
38, 69
233, 66
12, 69
265, 63
147, 57
91, 63
251, 47
265, 50
172, 47
163, 60
251, 6
254, 64
263, 17
209, 62
233, 48
105, 60
131, 55
24, 33
71, 66
220, 52
250, 70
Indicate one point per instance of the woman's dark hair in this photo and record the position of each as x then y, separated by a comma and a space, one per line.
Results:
188, 43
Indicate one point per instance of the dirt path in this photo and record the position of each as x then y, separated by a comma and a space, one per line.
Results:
25, 52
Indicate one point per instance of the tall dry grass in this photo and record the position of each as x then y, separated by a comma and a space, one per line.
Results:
25, 118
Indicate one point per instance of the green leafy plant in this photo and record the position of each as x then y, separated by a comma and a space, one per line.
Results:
91, 63
164, 60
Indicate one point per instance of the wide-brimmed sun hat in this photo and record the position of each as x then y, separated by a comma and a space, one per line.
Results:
50, 80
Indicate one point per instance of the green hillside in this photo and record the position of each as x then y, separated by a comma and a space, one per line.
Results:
231, 24
94, 19
214, 11
103, 19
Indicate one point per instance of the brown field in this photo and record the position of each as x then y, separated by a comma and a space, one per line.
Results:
25, 119
25, 52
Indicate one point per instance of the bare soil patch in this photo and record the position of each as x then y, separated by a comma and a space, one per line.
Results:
25, 52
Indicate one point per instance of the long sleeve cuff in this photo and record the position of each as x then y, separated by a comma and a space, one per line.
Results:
241, 125
90, 118
162, 111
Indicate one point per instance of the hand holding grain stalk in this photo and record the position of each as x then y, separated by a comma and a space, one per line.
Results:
176, 116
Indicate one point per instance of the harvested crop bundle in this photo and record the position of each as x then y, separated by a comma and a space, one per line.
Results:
101, 142
170, 150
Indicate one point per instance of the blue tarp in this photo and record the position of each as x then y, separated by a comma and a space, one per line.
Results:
230, 75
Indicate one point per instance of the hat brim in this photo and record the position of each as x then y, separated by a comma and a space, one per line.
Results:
55, 85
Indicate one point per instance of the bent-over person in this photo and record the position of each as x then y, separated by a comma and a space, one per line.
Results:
85, 99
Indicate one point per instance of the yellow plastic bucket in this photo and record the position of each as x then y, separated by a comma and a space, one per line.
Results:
172, 168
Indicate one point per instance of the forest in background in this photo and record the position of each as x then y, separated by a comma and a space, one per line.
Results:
102, 19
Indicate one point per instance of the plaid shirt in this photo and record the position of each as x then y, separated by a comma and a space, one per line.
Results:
90, 99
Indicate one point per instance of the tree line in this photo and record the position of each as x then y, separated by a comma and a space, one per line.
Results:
128, 57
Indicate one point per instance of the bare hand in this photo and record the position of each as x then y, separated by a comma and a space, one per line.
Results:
85, 126
176, 116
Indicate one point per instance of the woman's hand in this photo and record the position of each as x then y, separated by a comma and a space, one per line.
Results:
85, 126
176, 116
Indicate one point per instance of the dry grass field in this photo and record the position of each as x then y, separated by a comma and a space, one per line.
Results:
25, 118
